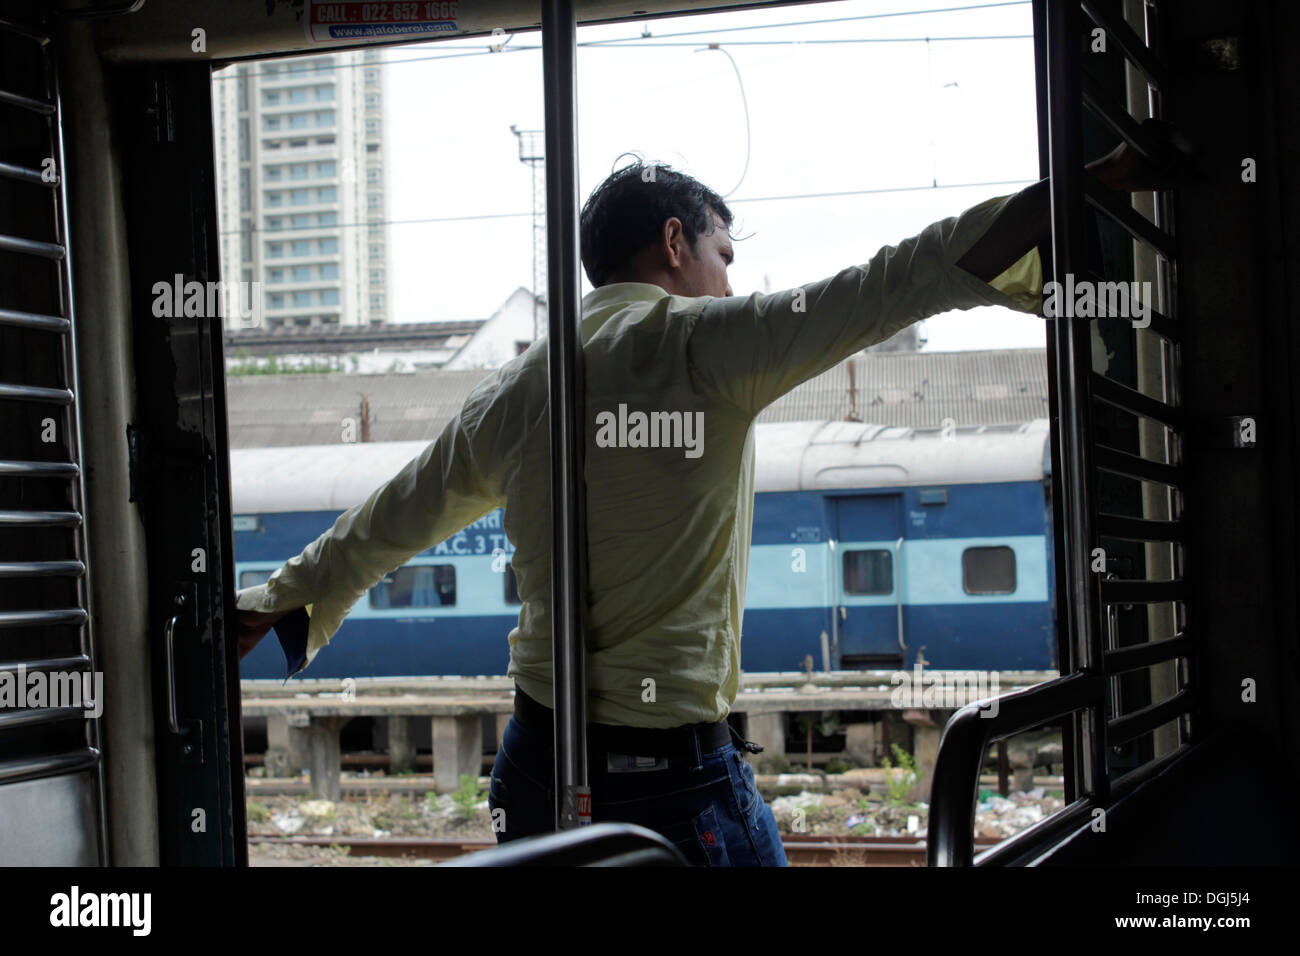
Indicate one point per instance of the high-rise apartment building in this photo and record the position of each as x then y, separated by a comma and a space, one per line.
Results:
302, 187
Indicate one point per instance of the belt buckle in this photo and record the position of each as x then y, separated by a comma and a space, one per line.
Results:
633, 763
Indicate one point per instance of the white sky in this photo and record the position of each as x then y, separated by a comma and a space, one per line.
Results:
822, 117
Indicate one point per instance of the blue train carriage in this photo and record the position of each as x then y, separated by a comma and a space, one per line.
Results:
870, 544
447, 611
873, 545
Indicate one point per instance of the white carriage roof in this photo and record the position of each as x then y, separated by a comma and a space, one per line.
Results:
802, 456
789, 457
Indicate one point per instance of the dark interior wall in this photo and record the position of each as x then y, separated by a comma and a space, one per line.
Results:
1236, 94
1239, 285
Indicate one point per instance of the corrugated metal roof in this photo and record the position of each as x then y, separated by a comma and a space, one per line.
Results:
910, 389
278, 410
921, 389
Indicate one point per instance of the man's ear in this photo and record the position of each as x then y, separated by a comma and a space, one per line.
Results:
674, 241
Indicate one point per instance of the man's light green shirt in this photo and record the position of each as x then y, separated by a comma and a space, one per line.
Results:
668, 527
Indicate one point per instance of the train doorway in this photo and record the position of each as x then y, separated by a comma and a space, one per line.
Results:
866, 581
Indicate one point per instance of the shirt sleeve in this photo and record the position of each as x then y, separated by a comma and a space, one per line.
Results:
435, 495
752, 350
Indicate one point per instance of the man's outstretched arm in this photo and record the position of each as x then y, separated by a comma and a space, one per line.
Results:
434, 496
749, 351
752, 350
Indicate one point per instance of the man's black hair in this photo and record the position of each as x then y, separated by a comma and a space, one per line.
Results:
627, 212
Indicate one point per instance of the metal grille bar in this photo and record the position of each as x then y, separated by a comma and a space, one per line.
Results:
24, 174
1123, 659
1160, 324
53, 765
51, 519
31, 247
40, 469
1139, 529
36, 393
1131, 221
1135, 466
1148, 718
41, 569
33, 717
27, 103
31, 320
25, 30
80, 662
42, 618
1131, 400
1130, 43
1142, 592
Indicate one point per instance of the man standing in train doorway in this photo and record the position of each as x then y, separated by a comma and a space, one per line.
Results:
677, 370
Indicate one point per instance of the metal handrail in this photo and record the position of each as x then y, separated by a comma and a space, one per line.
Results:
898, 589
965, 740
602, 844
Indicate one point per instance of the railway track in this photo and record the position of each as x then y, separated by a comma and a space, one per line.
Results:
799, 850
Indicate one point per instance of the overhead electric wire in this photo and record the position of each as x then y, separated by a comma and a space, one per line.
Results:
891, 189
521, 215
640, 41
847, 40
744, 101
804, 23
602, 44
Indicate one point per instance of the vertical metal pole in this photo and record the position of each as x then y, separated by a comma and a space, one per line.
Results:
1074, 365
567, 414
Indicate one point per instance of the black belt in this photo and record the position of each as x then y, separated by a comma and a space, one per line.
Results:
638, 741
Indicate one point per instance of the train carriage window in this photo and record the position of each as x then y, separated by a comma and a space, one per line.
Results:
251, 579
512, 586
418, 586
868, 572
988, 570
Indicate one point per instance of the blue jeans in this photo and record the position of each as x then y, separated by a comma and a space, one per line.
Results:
709, 808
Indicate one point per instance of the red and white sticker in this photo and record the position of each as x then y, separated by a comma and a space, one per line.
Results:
350, 20
584, 807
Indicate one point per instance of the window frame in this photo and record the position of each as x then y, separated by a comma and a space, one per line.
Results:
844, 571
965, 577
442, 567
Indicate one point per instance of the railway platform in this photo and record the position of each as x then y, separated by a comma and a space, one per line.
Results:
305, 718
